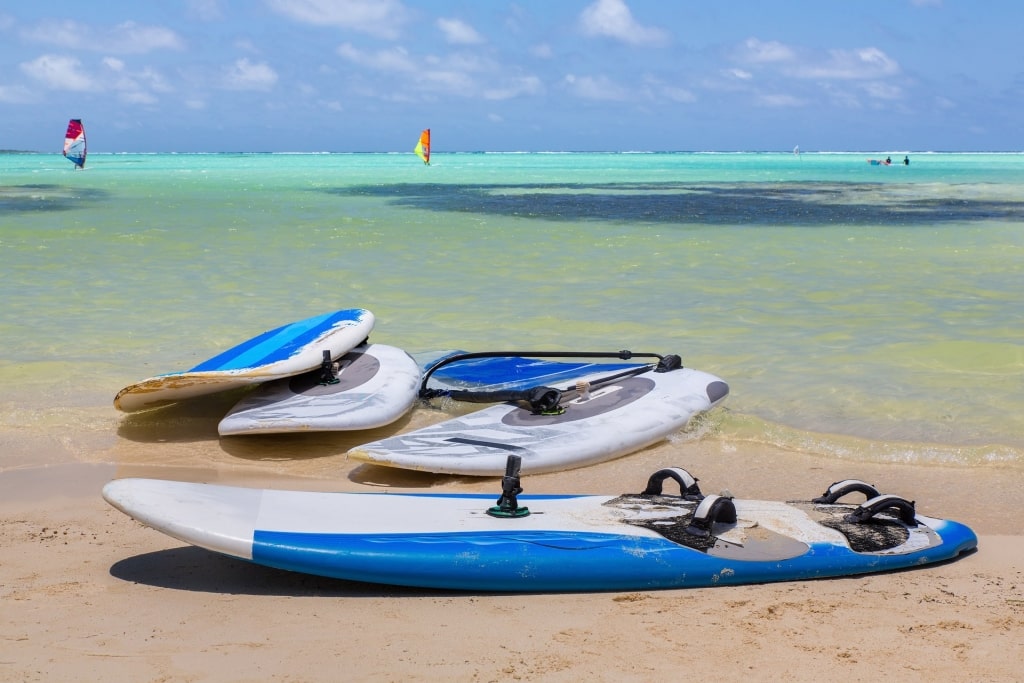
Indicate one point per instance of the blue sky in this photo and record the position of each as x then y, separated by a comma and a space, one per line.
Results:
367, 75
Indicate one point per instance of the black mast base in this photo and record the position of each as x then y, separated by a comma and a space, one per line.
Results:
508, 505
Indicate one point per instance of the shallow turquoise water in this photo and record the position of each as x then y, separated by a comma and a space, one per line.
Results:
852, 308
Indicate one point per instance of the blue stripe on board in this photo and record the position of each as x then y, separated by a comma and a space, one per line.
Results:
278, 344
562, 561
515, 372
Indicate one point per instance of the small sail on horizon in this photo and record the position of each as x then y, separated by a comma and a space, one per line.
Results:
423, 147
74, 143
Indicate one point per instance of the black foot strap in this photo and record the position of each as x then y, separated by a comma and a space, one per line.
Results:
841, 488
712, 509
669, 363
688, 488
904, 509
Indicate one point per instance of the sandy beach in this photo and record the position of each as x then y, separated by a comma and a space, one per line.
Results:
89, 594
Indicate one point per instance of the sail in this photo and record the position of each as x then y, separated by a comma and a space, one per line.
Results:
423, 146
74, 143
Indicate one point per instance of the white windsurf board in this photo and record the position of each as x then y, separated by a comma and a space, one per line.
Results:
606, 422
375, 385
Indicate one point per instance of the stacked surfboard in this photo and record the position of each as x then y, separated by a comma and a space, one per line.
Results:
323, 374
317, 374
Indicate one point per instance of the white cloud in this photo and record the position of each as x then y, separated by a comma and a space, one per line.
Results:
542, 50
16, 94
59, 73
458, 32
677, 94
612, 19
460, 73
138, 97
245, 45
146, 79
780, 100
842, 97
861, 64
391, 59
591, 88
246, 75
125, 38
754, 51
870, 71
380, 18
461, 61
883, 91
204, 10
655, 88
515, 87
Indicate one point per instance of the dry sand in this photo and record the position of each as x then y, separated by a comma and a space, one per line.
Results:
87, 594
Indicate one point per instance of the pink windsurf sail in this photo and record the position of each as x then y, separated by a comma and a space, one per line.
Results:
74, 143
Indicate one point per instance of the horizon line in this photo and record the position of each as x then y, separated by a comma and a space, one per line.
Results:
551, 151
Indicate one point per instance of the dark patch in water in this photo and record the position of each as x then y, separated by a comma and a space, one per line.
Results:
702, 204
46, 197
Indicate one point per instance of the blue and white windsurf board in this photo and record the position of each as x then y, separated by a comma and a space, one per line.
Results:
512, 371
281, 352
566, 542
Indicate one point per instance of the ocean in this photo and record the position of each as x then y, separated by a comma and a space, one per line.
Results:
861, 312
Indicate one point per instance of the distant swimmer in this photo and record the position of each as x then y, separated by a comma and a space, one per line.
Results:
888, 160
906, 161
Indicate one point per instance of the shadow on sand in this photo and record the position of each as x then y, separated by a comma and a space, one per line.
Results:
194, 569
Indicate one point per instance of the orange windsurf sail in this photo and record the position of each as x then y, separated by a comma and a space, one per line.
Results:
423, 147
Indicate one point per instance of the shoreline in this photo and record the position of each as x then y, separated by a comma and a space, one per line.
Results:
983, 497
184, 448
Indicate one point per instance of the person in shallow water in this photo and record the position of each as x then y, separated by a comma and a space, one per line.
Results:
906, 161
888, 160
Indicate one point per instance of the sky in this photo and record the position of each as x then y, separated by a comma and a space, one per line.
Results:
514, 75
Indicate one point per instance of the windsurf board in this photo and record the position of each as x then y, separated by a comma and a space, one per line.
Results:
281, 352
593, 425
373, 385
511, 370
636, 541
